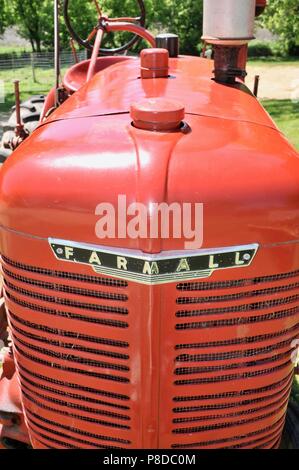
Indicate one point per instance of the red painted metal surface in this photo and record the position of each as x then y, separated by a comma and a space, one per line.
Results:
114, 90
154, 63
75, 77
237, 150
158, 114
107, 363
13, 428
49, 104
131, 27
92, 65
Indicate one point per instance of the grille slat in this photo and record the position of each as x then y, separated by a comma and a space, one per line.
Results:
276, 427
198, 429
78, 407
78, 431
199, 286
65, 302
77, 416
65, 275
245, 340
73, 386
242, 308
239, 295
68, 346
239, 320
66, 357
235, 394
213, 417
65, 288
39, 428
69, 334
230, 377
62, 367
231, 404
230, 366
68, 395
67, 315
241, 354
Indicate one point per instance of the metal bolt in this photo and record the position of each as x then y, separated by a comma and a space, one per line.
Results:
59, 251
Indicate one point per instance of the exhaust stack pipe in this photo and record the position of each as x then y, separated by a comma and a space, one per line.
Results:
229, 26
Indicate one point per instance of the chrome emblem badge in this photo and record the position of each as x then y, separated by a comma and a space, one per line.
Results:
154, 269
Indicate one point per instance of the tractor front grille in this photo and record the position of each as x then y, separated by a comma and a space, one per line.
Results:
97, 360
232, 375
70, 334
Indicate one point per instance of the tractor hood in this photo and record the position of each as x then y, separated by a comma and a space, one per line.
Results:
233, 160
114, 89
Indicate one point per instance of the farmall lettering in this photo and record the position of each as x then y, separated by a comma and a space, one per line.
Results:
154, 269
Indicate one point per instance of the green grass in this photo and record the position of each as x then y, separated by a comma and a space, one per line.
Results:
44, 82
273, 61
16, 49
286, 115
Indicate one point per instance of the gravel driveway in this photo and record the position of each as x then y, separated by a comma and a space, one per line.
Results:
277, 81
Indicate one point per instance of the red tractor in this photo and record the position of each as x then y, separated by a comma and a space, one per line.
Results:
142, 341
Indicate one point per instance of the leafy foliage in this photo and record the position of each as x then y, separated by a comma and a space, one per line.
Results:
34, 19
281, 17
180, 17
3, 16
260, 49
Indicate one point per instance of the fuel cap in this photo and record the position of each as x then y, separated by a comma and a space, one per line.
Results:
158, 114
154, 63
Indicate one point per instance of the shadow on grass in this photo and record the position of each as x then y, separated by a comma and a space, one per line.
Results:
10, 99
280, 108
274, 59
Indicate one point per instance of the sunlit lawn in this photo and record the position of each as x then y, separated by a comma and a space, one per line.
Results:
286, 115
44, 82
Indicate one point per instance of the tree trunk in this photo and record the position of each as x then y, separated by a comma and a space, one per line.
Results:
32, 45
38, 45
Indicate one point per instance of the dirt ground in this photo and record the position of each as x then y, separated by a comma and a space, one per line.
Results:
277, 81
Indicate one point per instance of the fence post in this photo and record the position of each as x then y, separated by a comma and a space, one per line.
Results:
33, 68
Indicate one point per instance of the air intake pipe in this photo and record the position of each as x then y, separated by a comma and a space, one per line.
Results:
229, 26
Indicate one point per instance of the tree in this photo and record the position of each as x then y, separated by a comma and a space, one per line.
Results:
3, 16
179, 17
281, 18
34, 19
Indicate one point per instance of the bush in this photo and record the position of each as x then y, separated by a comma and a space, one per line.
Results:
260, 49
